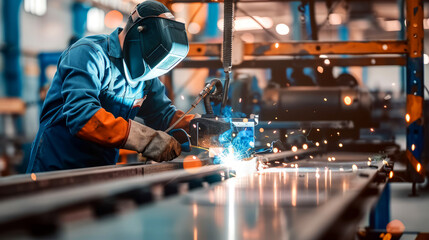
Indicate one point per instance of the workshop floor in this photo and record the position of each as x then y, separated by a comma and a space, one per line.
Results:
413, 212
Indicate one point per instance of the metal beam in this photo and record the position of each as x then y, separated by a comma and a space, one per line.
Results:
302, 62
414, 86
304, 48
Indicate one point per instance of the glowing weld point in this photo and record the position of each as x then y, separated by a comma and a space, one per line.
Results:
407, 118
340, 145
419, 167
294, 149
354, 167
305, 146
413, 147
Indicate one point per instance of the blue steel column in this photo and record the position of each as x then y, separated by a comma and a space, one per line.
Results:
211, 22
12, 51
80, 11
414, 88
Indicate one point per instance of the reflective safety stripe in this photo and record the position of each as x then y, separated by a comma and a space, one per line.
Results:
104, 129
184, 124
414, 107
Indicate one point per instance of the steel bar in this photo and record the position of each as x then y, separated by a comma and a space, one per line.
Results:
304, 48
32, 183
29, 207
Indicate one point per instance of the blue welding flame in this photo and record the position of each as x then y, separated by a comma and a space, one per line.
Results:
237, 143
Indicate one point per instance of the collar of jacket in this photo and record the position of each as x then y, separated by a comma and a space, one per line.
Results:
114, 45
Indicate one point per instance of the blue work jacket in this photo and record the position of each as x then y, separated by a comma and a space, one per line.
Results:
90, 76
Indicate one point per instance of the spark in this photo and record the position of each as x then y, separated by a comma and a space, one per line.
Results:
274, 131
305, 146
277, 45
325, 99
269, 122
268, 144
371, 129
391, 174
407, 117
317, 144
354, 167
239, 100
325, 142
419, 167
195, 126
275, 150
261, 130
182, 97
413, 147
340, 145
294, 149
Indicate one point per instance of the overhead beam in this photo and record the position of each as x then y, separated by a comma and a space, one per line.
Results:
304, 48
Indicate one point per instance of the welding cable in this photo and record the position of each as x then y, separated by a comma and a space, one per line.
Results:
207, 89
217, 93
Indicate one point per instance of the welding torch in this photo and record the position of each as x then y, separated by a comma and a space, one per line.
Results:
206, 90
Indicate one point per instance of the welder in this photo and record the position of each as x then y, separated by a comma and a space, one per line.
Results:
102, 83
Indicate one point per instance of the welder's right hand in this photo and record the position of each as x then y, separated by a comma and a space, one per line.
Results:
153, 144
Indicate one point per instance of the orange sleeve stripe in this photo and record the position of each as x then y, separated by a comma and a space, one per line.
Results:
184, 124
106, 130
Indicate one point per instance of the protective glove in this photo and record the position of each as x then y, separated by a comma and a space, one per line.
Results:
153, 144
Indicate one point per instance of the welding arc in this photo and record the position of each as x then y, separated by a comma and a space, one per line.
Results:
206, 90
227, 46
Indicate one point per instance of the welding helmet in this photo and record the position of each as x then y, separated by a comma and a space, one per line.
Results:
153, 45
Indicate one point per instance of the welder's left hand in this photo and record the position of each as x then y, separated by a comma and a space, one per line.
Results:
153, 144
